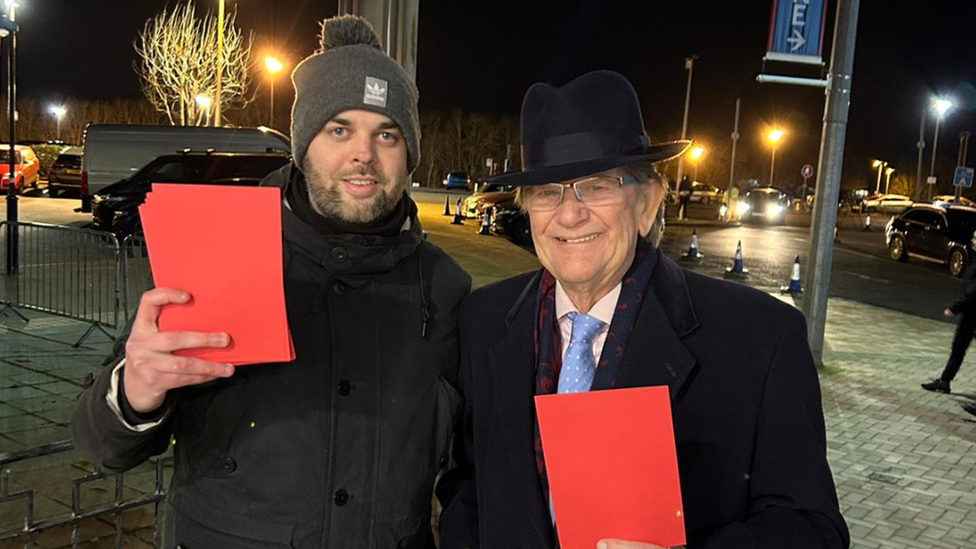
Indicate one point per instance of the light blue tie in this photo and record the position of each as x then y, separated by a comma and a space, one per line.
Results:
578, 367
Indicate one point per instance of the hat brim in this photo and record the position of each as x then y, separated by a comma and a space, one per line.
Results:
551, 174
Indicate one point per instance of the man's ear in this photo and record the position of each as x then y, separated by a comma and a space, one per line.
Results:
650, 206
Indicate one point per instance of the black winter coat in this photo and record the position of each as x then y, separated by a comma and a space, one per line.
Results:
338, 449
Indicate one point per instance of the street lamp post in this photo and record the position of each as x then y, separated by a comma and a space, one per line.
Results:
8, 29
880, 165
58, 111
220, 59
774, 137
273, 66
941, 106
888, 172
690, 66
921, 149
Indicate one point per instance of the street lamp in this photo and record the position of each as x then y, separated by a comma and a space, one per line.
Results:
273, 66
220, 59
690, 67
880, 165
58, 111
774, 137
940, 106
695, 154
203, 101
888, 172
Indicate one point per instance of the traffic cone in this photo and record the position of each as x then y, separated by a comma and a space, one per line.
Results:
794, 286
457, 214
867, 222
485, 222
692, 253
736, 270
447, 206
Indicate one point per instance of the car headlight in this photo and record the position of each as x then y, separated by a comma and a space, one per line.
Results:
775, 210
741, 208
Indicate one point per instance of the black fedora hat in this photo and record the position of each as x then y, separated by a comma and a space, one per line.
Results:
590, 125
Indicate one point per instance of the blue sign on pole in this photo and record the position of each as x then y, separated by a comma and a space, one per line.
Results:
963, 177
796, 31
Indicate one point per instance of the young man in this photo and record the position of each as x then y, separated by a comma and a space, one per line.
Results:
339, 448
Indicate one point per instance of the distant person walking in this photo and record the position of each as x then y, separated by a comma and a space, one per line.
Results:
963, 307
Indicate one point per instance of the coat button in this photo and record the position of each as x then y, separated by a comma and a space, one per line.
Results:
227, 464
339, 288
339, 254
344, 387
341, 497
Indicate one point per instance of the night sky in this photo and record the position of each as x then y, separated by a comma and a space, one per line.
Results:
482, 56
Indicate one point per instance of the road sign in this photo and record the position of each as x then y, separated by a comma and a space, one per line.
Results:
963, 177
796, 31
931, 179
806, 171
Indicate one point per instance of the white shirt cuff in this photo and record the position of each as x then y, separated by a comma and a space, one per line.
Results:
112, 398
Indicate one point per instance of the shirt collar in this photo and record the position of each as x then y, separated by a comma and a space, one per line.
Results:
602, 310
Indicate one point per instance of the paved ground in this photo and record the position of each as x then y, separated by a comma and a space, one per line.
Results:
903, 458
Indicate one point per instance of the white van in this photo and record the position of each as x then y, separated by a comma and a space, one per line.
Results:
113, 152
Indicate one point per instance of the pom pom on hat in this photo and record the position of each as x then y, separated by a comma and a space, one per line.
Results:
347, 30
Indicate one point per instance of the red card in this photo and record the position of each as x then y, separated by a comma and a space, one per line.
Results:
612, 467
222, 244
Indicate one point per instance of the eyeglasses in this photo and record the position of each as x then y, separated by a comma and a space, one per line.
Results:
604, 190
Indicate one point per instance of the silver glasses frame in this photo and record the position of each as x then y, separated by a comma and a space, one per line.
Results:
621, 181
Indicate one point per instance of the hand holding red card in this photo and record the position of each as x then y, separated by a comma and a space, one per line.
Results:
612, 467
222, 245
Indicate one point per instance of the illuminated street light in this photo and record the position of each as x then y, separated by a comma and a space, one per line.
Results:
880, 165
273, 66
888, 172
941, 106
58, 111
774, 137
204, 102
695, 154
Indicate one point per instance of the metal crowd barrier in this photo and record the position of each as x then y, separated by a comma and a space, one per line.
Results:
65, 271
136, 273
31, 528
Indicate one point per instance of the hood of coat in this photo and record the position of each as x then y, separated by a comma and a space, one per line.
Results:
350, 254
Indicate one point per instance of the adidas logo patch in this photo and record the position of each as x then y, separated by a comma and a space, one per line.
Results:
375, 92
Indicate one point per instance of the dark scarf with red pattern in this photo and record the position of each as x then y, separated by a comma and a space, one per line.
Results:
548, 342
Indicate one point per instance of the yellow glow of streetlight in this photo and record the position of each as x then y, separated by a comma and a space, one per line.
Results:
58, 110
889, 171
696, 153
272, 64
877, 163
203, 100
775, 135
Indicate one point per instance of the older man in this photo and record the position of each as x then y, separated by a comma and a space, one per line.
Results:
748, 422
339, 448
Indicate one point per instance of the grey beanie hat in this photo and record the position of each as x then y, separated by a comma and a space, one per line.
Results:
352, 72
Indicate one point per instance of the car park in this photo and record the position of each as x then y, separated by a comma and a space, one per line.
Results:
64, 176
26, 167
762, 204
116, 207
886, 203
941, 234
457, 180
489, 195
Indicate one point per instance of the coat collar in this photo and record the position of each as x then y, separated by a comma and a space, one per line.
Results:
660, 358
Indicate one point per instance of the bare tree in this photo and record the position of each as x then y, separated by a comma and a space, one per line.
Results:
179, 63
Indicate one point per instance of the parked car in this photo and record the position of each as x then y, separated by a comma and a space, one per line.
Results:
116, 207
886, 203
510, 221
950, 200
26, 167
116, 151
763, 204
457, 180
488, 196
65, 174
705, 193
942, 234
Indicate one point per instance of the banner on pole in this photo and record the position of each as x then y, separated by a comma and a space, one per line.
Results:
796, 31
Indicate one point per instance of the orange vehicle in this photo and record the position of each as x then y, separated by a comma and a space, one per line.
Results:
25, 170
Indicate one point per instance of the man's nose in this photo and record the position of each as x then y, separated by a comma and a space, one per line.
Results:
364, 149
